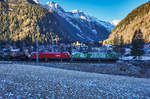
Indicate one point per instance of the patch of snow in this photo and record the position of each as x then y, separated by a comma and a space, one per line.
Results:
74, 25
55, 7
90, 39
131, 57
145, 57
107, 25
52, 4
127, 58
83, 17
79, 35
115, 22
77, 27
94, 31
80, 15
74, 11
36, 1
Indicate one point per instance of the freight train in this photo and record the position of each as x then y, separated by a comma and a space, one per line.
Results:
76, 56
47, 56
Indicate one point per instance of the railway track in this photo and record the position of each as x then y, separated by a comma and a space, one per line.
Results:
92, 67
57, 61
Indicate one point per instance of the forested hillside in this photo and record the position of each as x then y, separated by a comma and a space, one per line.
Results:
23, 20
139, 18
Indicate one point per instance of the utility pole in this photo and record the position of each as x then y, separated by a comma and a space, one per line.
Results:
52, 44
37, 42
37, 49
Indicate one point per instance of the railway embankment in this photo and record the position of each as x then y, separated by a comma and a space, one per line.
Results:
140, 69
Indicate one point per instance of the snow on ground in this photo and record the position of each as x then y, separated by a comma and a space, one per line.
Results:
36, 82
127, 58
145, 57
131, 58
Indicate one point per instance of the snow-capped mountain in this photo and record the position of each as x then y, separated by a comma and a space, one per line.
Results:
79, 24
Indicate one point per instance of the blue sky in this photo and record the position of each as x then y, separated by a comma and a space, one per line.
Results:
106, 10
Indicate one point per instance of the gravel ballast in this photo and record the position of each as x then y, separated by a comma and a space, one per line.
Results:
18, 81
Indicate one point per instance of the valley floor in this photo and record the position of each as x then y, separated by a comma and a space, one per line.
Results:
18, 81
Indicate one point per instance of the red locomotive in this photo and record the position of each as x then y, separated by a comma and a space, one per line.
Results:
51, 55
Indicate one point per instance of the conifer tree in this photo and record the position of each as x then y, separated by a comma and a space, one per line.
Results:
121, 41
137, 44
121, 45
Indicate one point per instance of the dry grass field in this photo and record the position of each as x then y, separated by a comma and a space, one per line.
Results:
37, 82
